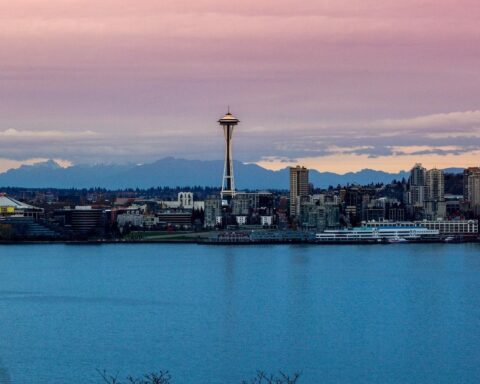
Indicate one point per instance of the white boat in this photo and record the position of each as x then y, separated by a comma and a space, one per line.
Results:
397, 239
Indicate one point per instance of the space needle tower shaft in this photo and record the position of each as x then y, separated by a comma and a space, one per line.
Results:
228, 123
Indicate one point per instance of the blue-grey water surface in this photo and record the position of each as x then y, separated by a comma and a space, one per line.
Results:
212, 314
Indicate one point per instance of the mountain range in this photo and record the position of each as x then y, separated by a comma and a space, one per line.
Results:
172, 172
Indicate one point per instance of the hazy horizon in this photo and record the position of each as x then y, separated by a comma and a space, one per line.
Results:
336, 87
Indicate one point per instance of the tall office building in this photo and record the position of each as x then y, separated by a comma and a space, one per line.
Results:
417, 175
417, 183
435, 206
473, 187
228, 123
435, 183
299, 187
467, 172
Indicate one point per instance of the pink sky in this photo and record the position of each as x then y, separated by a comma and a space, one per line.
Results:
337, 85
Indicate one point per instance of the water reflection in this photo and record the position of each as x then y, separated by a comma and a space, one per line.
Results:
4, 375
216, 314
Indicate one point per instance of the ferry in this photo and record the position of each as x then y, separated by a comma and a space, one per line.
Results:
378, 235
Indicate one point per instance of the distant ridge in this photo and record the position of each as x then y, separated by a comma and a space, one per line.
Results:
172, 172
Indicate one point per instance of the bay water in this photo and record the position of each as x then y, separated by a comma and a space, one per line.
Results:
403, 313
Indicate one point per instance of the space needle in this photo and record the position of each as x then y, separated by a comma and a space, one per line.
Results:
228, 122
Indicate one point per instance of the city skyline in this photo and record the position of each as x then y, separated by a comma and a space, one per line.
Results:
333, 87
273, 191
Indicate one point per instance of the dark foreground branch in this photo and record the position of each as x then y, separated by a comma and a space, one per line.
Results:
164, 377
263, 378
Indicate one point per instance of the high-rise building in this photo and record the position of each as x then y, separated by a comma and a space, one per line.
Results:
467, 172
473, 187
417, 185
435, 206
417, 175
299, 188
435, 183
228, 123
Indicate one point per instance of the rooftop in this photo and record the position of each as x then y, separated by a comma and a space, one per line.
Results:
229, 119
6, 201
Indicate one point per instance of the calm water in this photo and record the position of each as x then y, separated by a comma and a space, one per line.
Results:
213, 314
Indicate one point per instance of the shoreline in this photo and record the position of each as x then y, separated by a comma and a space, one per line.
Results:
220, 243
